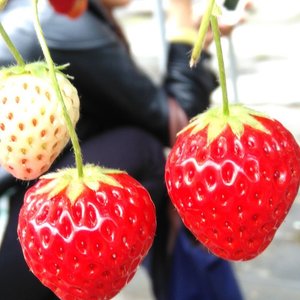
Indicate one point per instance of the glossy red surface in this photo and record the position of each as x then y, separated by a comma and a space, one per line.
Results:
91, 249
234, 193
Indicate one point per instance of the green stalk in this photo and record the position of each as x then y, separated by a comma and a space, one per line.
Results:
3, 4
50, 64
13, 50
196, 52
222, 76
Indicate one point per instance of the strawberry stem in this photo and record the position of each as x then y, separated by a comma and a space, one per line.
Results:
196, 52
222, 76
3, 4
49, 61
13, 50
209, 16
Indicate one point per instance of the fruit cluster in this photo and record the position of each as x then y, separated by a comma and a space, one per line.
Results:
85, 238
232, 175
83, 231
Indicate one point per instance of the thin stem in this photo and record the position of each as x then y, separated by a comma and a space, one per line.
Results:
3, 4
202, 33
222, 76
13, 50
71, 129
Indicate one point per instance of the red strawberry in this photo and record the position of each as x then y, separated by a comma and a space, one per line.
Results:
32, 127
233, 180
84, 238
71, 8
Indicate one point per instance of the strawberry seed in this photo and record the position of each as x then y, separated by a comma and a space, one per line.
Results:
34, 122
48, 95
52, 119
43, 133
30, 141
10, 116
23, 151
21, 126
37, 89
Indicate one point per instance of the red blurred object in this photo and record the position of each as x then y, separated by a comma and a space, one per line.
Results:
71, 8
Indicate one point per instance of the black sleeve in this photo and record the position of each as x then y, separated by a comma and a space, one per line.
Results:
191, 87
7, 181
114, 91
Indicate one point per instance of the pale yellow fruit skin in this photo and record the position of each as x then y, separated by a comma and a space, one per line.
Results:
32, 126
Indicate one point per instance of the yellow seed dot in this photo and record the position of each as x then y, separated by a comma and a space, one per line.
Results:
30, 141
48, 95
23, 151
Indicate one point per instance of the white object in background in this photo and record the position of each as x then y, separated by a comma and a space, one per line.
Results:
233, 69
4, 215
159, 16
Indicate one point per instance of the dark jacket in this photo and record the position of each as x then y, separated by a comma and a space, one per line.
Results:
113, 90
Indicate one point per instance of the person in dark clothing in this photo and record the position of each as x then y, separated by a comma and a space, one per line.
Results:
106, 76
126, 120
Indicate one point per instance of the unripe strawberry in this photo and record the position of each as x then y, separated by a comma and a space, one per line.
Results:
32, 127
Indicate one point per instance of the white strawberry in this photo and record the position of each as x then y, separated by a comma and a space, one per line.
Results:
32, 127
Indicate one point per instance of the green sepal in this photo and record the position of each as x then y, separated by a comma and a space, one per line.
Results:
38, 69
217, 11
216, 121
68, 180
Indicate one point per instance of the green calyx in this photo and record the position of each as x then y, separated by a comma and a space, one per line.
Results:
68, 180
216, 121
38, 69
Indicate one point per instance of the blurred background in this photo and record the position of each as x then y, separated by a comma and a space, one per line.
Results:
262, 66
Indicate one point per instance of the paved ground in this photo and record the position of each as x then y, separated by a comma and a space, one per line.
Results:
267, 63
